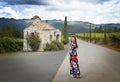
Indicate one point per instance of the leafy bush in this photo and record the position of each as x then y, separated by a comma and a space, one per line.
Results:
10, 45
64, 41
48, 47
59, 45
20, 45
54, 46
115, 36
51, 47
34, 42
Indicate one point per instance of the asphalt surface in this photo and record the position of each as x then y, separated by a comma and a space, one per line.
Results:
30, 66
97, 64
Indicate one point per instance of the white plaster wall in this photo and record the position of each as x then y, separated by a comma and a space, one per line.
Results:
30, 29
44, 35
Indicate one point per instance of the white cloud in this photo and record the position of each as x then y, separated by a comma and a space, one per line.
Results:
10, 11
108, 12
95, 13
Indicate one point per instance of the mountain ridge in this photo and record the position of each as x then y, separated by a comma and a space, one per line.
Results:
74, 26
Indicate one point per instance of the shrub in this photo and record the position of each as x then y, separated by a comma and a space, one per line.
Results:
54, 46
59, 45
20, 45
9, 45
34, 42
48, 47
64, 41
51, 47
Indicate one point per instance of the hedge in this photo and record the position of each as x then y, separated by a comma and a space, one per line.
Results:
54, 46
10, 45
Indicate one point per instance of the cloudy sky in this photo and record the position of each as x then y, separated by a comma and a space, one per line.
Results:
95, 11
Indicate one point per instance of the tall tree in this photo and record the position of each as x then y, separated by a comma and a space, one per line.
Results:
100, 29
90, 31
108, 30
95, 33
84, 35
10, 31
65, 30
105, 35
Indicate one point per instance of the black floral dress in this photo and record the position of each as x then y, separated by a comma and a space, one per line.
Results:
74, 66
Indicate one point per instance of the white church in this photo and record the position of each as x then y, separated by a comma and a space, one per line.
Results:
45, 32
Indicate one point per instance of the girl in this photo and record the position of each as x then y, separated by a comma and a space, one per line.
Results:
74, 66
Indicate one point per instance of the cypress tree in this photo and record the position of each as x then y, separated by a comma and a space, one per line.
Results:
84, 33
87, 36
65, 31
95, 33
90, 32
100, 29
105, 35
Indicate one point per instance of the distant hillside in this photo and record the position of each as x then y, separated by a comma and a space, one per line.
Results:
80, 26
73, 26
20, 24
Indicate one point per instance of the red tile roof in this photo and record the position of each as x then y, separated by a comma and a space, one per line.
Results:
41, 25
44, 26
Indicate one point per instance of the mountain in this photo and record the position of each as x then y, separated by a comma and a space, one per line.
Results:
20, 23
73, 26
80, 26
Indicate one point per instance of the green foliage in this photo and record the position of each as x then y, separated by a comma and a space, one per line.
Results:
108, 29
90, 33
115, 40
54, 46
10, 31
105, 37
93, 35
65, 31
115, 35
10, 45
64, 41
99, 30
48, 47
116, 29
51, 47
101, 36
59, 45
34, 42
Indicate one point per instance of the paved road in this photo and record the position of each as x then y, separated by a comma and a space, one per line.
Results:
97, 64
30, 67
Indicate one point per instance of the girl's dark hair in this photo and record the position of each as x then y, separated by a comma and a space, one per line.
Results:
75, 41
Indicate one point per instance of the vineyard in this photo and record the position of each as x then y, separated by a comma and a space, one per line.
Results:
109, 39
98, 35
